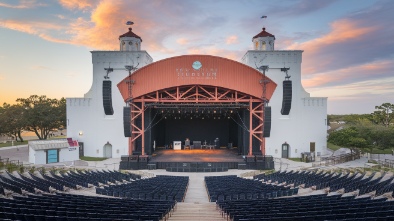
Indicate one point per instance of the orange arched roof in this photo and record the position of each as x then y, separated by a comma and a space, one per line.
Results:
207, 70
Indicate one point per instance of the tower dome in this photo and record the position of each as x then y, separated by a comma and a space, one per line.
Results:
263, 41
130, 41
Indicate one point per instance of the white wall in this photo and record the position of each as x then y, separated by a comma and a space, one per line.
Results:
37, 157
306, 121
66, 155
86, 114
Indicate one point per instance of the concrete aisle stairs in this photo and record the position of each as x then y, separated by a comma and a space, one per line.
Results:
196, 205
196, 212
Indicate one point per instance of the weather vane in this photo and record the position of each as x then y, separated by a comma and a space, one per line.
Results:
262, 17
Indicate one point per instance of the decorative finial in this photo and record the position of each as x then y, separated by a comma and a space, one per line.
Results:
129, 23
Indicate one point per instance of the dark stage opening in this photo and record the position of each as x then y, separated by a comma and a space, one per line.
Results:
219, 127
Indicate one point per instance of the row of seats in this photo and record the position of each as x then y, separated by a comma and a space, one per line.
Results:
156, 188
235, 188
58, 182
313, 207
78, 207
321, 180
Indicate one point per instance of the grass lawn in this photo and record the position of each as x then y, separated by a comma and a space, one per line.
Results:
92, 158
384, 151
296, 159
9, 144
332, 147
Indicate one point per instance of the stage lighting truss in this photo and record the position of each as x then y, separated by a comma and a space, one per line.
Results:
197, 111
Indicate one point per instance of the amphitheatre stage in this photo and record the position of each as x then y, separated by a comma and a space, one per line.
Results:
196, 160
197, 155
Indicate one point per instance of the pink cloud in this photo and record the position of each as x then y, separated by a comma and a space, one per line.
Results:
30, 27
78, 4
349, 74
233, 39
182, 41
342, 32
23, 4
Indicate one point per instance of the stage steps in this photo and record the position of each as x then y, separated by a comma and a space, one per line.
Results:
196, 211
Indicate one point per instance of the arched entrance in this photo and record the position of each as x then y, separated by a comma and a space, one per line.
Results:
202, 87
107, 150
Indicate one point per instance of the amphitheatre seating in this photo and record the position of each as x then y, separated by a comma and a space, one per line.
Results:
312, 207
334, 181
57, 182
78, 207
156, 188
224, 188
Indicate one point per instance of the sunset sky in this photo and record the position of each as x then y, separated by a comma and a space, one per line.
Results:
348, 44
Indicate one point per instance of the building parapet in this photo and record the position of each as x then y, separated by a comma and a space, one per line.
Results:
79, 101
314, 101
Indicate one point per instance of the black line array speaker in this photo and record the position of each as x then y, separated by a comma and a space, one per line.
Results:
127, 121
267, 121
107, 97
287, 95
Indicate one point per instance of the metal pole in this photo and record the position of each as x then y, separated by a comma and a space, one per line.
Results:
250, 127
143, 126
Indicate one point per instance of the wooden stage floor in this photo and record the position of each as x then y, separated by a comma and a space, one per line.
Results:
197, 155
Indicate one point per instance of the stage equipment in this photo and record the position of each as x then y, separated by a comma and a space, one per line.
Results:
267, 121
287, 97
107, 97
287, 93
126, 121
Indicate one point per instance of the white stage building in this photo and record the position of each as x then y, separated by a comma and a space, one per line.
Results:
304, 129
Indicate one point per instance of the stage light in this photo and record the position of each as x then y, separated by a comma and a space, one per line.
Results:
165, 117
214, 111
231, 111
162, 111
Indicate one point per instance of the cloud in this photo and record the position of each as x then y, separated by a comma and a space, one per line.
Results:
233, 39
30, 27
230, 54
182, 41
39, 67
77, 4
347, 75
23, 4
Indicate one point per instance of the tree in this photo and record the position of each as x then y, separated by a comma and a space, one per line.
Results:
43, 115
384, 114
347, 137
12, 120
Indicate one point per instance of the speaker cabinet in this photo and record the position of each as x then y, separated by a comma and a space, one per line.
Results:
287, 95
127, 121
267, 121
107, 97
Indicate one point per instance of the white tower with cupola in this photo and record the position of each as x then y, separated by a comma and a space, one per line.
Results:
304, 128
130, 41
102, 135
264, 41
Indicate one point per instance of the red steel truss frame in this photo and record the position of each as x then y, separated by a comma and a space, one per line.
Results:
194, 94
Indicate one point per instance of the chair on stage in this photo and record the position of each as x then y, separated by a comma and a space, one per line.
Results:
196, 144
187, 144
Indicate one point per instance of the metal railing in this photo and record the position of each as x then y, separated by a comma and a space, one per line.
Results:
333, 160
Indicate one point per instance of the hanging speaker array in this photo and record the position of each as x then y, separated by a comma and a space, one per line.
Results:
287, 96
107, 97
127, 121
267, 121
